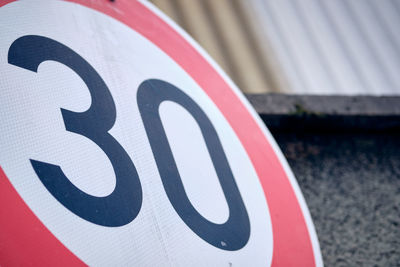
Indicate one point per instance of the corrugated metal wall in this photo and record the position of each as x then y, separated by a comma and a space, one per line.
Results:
340, 46
227, 30
293, 46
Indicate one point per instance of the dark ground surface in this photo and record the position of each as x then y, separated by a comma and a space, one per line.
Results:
351, 183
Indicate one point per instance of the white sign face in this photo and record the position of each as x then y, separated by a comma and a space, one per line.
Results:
117, 149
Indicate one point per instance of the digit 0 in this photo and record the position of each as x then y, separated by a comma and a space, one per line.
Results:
235, 232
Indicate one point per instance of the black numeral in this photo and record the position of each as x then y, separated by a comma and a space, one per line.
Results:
124, 203
235, 232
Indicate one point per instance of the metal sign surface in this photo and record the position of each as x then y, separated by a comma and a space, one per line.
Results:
122, 143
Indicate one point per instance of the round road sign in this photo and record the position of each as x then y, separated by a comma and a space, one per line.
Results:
123, 143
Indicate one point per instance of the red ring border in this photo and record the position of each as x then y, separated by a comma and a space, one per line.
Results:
291, 239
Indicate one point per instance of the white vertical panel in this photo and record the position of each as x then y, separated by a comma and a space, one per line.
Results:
335, 47
270, 28
389, 12
331, 55
379, 37
361, 53
296, 35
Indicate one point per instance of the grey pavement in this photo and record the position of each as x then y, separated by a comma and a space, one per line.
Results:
351, 183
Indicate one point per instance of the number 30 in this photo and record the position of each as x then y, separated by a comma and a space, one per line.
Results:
124, 203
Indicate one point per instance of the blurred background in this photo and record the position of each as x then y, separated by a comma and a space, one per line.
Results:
324, 77
300, 47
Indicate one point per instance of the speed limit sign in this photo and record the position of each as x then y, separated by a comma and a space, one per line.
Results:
122, 143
